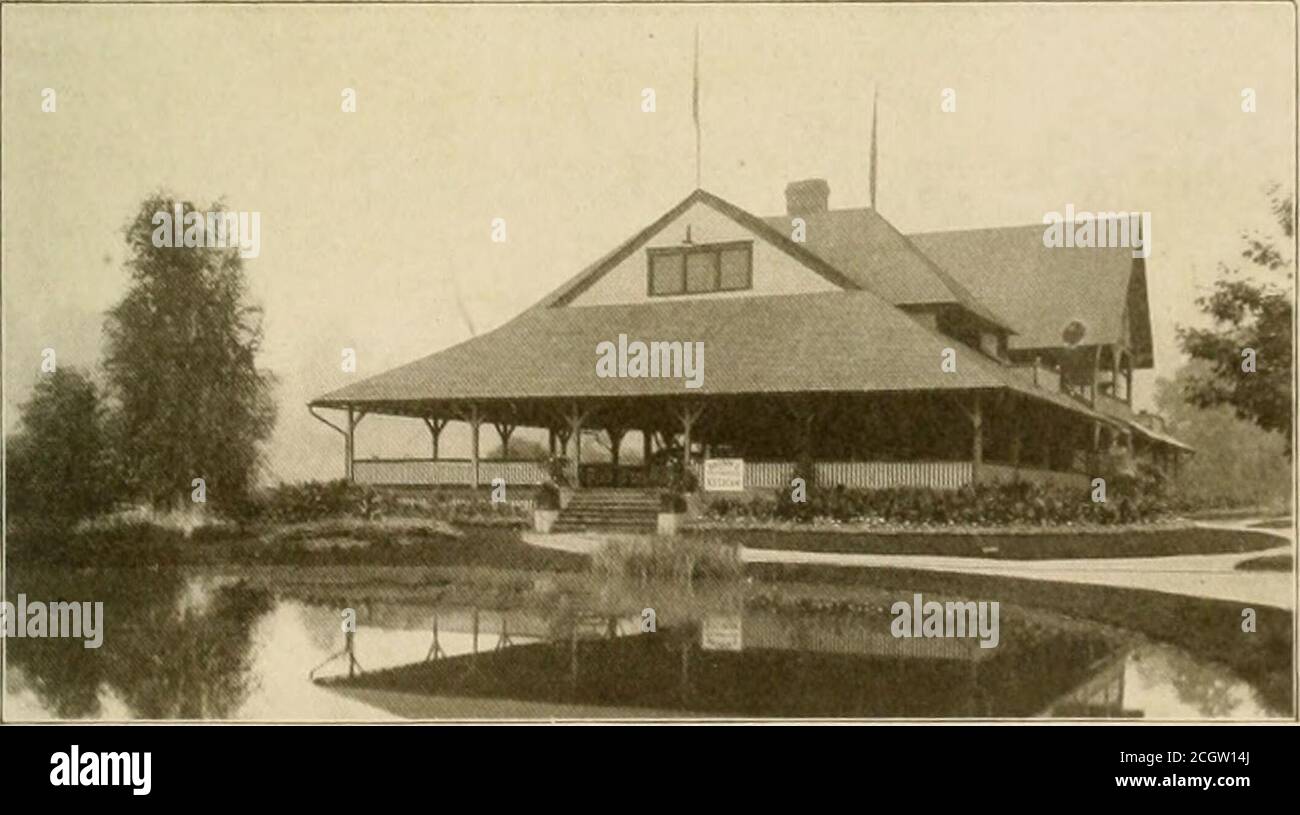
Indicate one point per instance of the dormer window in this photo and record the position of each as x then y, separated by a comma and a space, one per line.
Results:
714, 267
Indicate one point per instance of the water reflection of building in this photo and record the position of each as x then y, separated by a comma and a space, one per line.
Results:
1100, 696
717, 653
865, 635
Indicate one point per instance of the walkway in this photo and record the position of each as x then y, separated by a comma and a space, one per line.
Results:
1212, 576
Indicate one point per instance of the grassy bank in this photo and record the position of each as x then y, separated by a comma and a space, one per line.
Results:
1154, 542
1267, 563
338, 542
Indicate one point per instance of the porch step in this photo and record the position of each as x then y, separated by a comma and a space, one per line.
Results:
626, 529
610, 510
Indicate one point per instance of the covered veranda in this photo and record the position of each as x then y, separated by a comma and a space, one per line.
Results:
934, 439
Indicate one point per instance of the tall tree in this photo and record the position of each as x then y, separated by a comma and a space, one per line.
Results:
181, 358
1237, 463
57, 467
1248, 345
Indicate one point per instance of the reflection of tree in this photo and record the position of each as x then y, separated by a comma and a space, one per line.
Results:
162, 661
1206, 689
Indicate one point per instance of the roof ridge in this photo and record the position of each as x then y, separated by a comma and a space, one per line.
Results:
1007, 228
963, 294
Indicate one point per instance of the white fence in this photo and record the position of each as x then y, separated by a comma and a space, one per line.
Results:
947, 475
430, 472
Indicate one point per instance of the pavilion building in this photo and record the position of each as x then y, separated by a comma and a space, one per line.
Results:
828, 336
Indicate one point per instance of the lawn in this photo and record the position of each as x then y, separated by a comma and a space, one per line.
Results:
1267, 563
399, 542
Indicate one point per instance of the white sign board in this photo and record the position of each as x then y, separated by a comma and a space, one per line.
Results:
721, 632
724, 475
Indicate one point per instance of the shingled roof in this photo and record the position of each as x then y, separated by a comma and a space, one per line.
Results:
1040, 290
853, 339
879, 258
826, 341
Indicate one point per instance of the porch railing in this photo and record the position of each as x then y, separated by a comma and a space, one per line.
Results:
869, 474
949, 475
445, 471
943, 475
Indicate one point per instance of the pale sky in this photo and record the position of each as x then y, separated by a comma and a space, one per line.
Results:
533, 114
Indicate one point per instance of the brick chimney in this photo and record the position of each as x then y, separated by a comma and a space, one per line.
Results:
807, 197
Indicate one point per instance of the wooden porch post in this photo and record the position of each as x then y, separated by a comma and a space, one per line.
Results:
1094, 456
472, 416
348, 447
550, 440
574, 419
689, 415
435, 426
1114, 371
577, 450
616, 435
977, 441
1096, 366
350, 450
1128, 379
647, 450
505, 431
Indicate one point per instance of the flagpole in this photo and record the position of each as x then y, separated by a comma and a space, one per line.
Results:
874, 95
695, 104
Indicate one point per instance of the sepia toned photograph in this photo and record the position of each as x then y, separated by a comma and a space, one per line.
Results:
647, 363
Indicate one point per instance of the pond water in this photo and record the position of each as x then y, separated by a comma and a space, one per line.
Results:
183, 644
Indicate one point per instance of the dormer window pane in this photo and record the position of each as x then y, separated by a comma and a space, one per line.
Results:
700, 268
735, 273
701, 272
667, 273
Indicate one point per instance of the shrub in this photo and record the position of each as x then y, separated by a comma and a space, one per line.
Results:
673, 502
309, 501
548, 496
683, 558
470, 509
680, 479
1130, 499
557, 470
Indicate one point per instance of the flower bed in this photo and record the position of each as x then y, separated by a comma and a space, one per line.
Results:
1003, 506
314, 501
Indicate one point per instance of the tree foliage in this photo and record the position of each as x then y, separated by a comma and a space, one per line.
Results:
58, 468
1237, 462
1248, 315
181, 359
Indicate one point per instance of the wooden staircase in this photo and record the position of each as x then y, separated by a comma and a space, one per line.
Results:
610, 510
